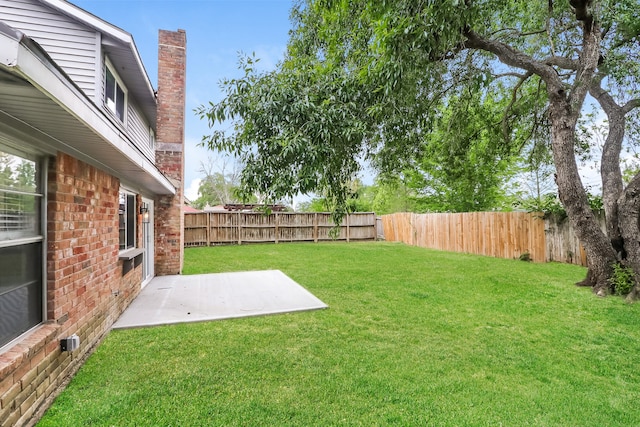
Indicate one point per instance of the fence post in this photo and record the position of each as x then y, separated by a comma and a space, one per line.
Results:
208, 228
315, 227
348, 231
219, 227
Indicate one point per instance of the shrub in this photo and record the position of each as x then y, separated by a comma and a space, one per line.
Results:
622, 280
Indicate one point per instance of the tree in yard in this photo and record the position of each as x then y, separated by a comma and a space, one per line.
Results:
6, 171
373, 79
360, 199
219, 184
463, 169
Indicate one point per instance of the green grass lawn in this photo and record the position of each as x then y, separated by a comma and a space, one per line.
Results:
412, 337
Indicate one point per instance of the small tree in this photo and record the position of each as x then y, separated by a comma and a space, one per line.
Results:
220, 183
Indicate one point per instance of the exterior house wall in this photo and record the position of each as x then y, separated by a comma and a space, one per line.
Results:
86, 290
77, 49
73, 46
87, 286
139, 130
137, 126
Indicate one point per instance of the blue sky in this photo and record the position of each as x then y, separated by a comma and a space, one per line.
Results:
216, 31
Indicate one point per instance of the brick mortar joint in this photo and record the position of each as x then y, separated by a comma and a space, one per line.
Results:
74, 366
48, 332
172, 45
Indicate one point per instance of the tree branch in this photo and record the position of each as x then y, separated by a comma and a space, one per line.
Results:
630, 105
518, 33
548, 28
562, 62
514, 98
581, 10
510, 56
602, 96
589, 55
518, 75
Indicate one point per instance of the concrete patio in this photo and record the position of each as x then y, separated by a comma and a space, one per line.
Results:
196, 298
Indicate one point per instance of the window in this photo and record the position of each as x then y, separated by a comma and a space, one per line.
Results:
152, 138
21, 245
115, 95
127, 220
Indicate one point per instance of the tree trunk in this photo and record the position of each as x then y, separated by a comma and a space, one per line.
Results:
629, 209
565, 104
622, 207
600, 253
612, 181
610, 163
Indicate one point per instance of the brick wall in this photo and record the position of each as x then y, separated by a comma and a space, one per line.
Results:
169, 220
86, 291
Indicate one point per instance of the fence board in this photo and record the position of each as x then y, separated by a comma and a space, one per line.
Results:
497, 234
562, 244
215, 228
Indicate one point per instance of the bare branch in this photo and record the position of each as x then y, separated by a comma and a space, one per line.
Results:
518, 75
589, 54
518, 33
605, 99
630, 105
562, 62
548, 28
510, 56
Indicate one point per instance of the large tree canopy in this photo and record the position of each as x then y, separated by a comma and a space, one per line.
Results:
389, 81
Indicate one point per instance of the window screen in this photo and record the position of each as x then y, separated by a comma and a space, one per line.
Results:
127, 220
21, 304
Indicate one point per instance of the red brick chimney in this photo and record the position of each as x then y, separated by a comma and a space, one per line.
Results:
169, 222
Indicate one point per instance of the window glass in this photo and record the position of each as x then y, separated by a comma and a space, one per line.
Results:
110, 90
152, 138
20, 199
20, 290
114, 95
127, 220
119, 103
21, 270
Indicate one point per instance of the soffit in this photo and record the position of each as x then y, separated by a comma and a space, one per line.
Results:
32, 116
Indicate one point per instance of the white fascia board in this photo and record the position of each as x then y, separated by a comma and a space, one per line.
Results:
8, 51
30, 67
88, 18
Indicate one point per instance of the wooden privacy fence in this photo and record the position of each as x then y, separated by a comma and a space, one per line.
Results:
213, 228
562, 243
497, 234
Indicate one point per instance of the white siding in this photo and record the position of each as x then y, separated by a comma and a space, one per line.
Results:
136, 125
138, 130
71, 45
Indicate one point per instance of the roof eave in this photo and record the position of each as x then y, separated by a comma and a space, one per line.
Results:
137, 80
17, 58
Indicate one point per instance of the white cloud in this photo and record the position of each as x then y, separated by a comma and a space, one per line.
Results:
269, 56
191, 191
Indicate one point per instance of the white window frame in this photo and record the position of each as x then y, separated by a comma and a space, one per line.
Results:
129, 214
152, 138
113, 109
41, 165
